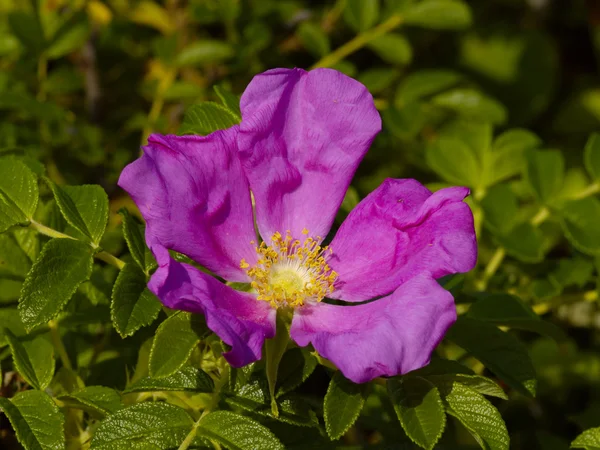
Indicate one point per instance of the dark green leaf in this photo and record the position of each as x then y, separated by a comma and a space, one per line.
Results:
237, 432
508, 153
61, 267
133, 306
501, 208
424, 83
419, 408
33, 357
343, 402
13, 260
18, 193
205, 118
296, 366
187, 379
98, 400
27, 28
314, 39
9, 319
580, 219
525, 242
544, 173
134, 236
37, 421
392, 48
150, 425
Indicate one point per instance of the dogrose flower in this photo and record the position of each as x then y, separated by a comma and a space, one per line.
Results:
301, 138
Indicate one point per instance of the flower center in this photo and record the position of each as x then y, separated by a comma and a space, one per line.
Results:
290, 272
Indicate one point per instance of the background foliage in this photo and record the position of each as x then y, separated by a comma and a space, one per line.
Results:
502, 96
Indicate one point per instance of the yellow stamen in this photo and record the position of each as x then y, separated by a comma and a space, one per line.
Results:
290, 272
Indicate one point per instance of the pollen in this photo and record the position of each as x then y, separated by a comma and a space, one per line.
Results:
290, 272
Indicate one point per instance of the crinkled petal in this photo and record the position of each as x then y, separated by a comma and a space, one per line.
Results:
194, 196
301, 139
398, 231
387, 337
238, 318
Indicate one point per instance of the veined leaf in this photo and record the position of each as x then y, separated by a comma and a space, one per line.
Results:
18, 193
187, 379
343, 402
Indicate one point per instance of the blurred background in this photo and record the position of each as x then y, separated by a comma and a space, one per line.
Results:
83, 83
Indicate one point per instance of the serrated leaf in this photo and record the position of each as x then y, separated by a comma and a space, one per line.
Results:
173, 343
99, 400
37, 421
361, 14
544, 173
510, 311
343, 402
592, 156
133, 306
33, 357
207, 117
18, 193
203, 52
478, 383
439, 14
589, 440
500, 352
477, 414
187, 379
580, 219
393, 48
419, 408
229, 100
61, 267
237, 432
142, 426
296, 366
134, 236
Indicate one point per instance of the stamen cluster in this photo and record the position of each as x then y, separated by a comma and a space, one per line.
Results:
290, 272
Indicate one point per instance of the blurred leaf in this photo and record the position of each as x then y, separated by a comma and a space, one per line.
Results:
186, 379
204, 52
343, 402
18, 193
508, 153
98, 400
69, 38
33, 357
592, 156
393, 48
580, 219
472, 104
149, 13
61, 267
454, 161
361, 14
439, 14
133, 306
525, 242
173, 343
378, 79
544, 173
13, 259
10, 320
501, 208
419, 408
425, 83
314, 39
143, 425
207, 117
37, 421
575, 271
589, 440
27, 28
500, 352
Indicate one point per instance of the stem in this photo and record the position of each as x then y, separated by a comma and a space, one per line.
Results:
158, 103
101, 255
59, 346
592, 189
359, 42
491, 268
540, 217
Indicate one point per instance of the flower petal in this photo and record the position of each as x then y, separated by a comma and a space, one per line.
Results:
387, 337
238, 318
194, 196
398, 231
301, 139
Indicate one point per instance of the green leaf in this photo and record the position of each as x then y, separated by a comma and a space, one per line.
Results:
187, 379
33, 357
472, 104
207, 117
314, 39
274, 350
439, 14
424, 83
361, 14
343, 402
98, 400
544, 173
37, 421
501, 208
204, 52
454, 161
592, 156
173, 343
508, 152
13, 260
133, 306
378, 79
61, 267
393, 48
18, 193
589, 440
478, 383
134, 236
508, 310
68, 40
149, 425
477, 414
28, 30
9, 318
524, 242
296, 366
580, 219
237, 432
229, 100
85, 208
500, 352
419, 408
